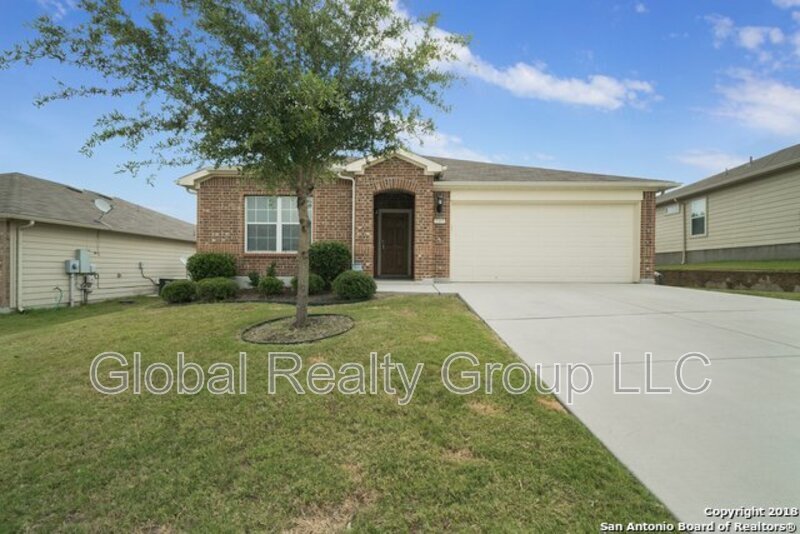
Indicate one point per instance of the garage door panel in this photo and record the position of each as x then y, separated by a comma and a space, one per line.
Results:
543, 242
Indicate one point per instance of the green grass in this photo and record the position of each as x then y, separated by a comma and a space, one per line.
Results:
73, 459
786, 295
771, 265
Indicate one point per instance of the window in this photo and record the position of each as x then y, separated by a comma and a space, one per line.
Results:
672, 209
272, 224
698, 217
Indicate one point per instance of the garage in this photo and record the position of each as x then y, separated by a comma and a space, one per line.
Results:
545, 236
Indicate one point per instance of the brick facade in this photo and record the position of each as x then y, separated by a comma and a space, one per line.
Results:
221, 219
221, 222
5, 263
647, 236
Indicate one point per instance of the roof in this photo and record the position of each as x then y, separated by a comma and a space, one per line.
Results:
30, 198
477, 173
761, 167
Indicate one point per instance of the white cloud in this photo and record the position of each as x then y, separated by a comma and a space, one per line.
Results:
721, 28
786, 4
535, 81
749, 37
711, 161
762, 103
446, 146
752, 37
640, 8
57, 8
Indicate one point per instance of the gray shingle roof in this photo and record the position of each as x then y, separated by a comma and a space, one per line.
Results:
27, 197
758, 167
459, 170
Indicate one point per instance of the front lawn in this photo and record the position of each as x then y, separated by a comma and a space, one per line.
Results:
74, 459
769, 265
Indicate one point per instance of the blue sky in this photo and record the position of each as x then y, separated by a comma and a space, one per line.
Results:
673, 89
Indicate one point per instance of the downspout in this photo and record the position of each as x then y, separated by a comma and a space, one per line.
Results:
18, 291
352, 218
682, 211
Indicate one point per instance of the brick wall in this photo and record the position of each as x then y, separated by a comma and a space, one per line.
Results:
648, 236
396, 175
441, 234
220, 220
5, 266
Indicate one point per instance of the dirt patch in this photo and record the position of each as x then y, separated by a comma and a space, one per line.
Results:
338, 518
458, 455
484, 408
429, 338
551, 403
281, 331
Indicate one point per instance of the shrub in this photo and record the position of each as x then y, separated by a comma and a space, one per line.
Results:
213, 289
354, 285
211, 265
179, 291
328, 259
315, 284
270, 285
272, 270
254, 278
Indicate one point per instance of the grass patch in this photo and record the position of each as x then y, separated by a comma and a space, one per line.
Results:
770, 265
73, 459
785, 295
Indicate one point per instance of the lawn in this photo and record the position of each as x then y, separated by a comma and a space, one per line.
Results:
768, 265
74, 459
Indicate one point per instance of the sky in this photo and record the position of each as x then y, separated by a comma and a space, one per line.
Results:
667, 89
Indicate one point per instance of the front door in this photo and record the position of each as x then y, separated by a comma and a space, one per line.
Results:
394, 242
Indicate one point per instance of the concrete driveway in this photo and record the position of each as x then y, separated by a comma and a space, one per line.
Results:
737, 444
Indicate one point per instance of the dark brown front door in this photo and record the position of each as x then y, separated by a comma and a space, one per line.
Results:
395, 244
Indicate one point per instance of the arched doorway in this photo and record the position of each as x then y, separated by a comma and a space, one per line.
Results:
394, 234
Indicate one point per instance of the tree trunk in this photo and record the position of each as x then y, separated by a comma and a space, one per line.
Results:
301, 312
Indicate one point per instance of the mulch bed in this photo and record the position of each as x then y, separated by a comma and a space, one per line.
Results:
280, 331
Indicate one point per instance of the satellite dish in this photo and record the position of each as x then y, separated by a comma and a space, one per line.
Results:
103, 205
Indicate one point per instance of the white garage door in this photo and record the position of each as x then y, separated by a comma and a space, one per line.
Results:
533, 242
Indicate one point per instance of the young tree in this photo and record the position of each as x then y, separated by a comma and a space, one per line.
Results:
282, 89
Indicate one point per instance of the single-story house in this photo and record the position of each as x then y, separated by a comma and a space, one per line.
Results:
751, 212
409, 216
62, 245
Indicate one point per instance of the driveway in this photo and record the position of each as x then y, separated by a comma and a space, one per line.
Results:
737, 444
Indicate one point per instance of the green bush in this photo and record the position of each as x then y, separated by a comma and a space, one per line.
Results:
179, 291
270, 285
254, 278
213, 289
211, 265
315, 284
353, 285
328, 259
272, 270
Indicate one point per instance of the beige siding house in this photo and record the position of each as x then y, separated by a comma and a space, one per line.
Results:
751, 212
44, 224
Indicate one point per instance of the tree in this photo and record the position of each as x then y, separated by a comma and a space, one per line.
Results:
282, 89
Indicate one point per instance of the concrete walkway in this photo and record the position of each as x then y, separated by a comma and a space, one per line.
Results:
737, 444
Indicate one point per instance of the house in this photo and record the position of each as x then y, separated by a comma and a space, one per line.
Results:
751, 212
113, 247
409, 216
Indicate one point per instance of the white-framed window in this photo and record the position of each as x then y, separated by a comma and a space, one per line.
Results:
272, 223
672, 209
698, 217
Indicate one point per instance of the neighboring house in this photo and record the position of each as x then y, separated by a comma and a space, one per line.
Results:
126, 248
751, 212
408, 216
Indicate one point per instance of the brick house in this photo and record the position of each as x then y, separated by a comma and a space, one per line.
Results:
409, 216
